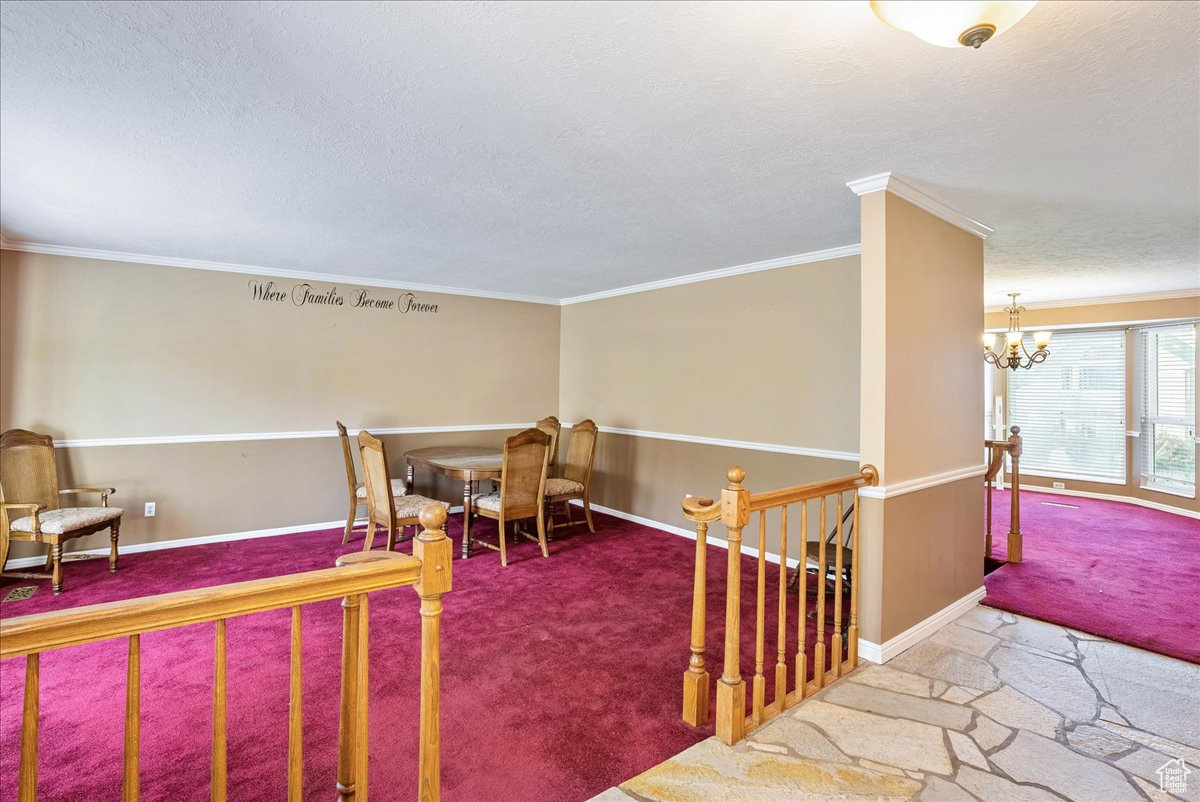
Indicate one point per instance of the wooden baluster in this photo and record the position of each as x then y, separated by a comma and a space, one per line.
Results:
988, 484
1014, 528
836, 643
219, 745
295, 716
781, 627
852, 646
27, 778
695, 679
819, 646
802, 610
760, 625
731, 691
363, 688
349, 700
130, 778
436, 552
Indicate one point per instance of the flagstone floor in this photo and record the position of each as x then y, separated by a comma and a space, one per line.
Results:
992, 707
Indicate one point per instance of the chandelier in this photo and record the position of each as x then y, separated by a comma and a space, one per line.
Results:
1017, 355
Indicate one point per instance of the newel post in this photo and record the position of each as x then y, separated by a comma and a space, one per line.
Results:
731, 691
435, 552
1014, 526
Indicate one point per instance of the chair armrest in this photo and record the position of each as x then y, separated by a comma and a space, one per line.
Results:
104, 492
32, 508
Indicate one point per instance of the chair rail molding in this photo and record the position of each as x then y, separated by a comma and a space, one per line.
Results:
98, 442
890, 182
744, 445
923, 482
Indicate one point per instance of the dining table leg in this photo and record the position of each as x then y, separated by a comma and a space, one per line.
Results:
466, 544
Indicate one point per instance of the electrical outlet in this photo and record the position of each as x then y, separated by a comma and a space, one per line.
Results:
1058, 485
150, 509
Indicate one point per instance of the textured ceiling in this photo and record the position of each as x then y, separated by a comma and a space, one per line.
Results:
559, 149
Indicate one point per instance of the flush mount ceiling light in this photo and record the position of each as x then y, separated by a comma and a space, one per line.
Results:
950, 23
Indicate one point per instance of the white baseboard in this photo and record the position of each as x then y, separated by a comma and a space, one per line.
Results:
1141, 502
877, 653
158, 545
690, 534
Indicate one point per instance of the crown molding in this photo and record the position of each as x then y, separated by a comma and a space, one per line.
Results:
257, 270
724, 272
899, 187
1166, 295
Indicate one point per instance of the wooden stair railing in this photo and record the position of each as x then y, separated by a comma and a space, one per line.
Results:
354, 577
734, 509
996, 450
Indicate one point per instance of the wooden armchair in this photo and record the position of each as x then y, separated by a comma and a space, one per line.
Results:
356, 491
522, 488
552, 427
29, 504
385, 508
576, 481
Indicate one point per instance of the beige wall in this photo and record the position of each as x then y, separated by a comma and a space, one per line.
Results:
96, 349
768, 357
1137, 313
922, 282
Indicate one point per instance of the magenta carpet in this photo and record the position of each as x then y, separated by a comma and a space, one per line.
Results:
560, 677
1121, 571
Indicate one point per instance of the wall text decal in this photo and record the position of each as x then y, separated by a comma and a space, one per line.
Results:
305, 294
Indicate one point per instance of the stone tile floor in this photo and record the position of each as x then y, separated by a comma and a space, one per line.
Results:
992, 707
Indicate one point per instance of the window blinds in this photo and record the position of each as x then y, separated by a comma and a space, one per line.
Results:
1167, 381
1071, 408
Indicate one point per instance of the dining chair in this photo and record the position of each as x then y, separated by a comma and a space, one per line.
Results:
552, 427
384, 508
576, 481
354, 489
30, 508
522, 488
812, 551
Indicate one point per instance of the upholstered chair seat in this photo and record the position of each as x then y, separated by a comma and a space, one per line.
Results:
557, 486
410, 506
61, 521
399, 488
487, 501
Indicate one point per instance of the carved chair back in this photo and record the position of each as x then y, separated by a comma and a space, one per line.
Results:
348, 456
552, 427
581, 450
27, 468
523, 474
381, 506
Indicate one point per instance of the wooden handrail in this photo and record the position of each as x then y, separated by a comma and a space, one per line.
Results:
428, 571
867, 477
42, 632
734, 510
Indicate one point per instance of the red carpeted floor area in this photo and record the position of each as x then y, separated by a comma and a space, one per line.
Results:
560, 677
1118, 570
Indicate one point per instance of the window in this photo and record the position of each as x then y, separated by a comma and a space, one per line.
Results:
1071, 408
1167, 379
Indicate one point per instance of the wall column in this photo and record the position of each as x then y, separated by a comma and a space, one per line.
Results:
921, 408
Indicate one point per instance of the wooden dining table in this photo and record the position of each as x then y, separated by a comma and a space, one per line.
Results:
468, 464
